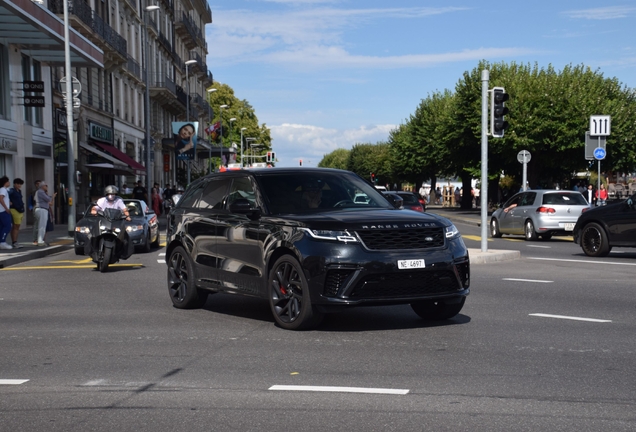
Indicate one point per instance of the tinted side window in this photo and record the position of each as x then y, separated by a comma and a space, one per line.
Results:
242, 188
564, 198
192, 196
528, 198
214, 194
514, 200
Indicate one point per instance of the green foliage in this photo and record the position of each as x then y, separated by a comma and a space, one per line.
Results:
336, 159
245, 118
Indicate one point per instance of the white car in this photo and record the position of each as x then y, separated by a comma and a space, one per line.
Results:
381, 188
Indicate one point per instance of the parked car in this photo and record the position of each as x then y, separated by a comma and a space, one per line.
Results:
296, 237
412, 201
142, 229
597, 231
394, 198
539, 213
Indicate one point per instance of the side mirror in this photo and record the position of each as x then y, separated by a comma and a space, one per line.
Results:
243, 206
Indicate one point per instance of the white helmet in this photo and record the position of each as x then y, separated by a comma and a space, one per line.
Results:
111, 192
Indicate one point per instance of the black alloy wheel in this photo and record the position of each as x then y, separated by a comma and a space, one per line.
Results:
437, 310
594, 241
183, 292
494, 229
530, 233
289, 296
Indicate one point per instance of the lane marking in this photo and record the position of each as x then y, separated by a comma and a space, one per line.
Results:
161, 261
339, 389
582, 261
570, 318
12, 381
97, 382
82, 261
162, 254
67, 267
527, 280
473, 237
543, 247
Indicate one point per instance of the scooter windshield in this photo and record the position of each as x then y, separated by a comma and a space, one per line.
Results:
112, 214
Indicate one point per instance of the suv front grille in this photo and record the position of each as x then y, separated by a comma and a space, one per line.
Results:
409, 284
394, 239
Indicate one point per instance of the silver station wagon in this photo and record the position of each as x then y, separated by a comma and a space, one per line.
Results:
539, 213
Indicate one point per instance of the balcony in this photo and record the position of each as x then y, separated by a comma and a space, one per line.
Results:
94, 28
179, 64
164, 90
133, 69
203, 9
196, 99
165, 42
182, 97
208, 79
152, 26
185, 27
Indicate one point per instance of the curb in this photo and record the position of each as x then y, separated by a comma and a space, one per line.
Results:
492, 256
33, 254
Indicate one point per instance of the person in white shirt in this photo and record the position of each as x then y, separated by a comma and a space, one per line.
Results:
5, 214
112, 201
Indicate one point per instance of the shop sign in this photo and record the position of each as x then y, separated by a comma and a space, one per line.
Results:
33, 86
42, 150
100, 133
8, 145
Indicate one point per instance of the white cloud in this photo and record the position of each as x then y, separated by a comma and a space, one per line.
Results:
310, 143
603, 13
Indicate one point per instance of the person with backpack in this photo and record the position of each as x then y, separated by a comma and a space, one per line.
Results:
17, 210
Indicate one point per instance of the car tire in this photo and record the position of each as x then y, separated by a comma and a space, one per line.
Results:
546, 236
79, 250
146, 246
103, 264
529, 231
437, 310
155, 244
494, 229
289, 298
181, 286
594, 241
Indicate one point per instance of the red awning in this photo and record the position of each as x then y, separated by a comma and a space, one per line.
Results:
138, 168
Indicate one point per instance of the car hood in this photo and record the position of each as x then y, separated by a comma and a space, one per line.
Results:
368, 219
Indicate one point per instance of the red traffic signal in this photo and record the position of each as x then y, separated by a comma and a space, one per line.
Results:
300, 162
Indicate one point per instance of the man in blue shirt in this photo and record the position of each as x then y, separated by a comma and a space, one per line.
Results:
17, 210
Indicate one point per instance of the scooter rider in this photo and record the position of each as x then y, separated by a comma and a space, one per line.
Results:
112, 201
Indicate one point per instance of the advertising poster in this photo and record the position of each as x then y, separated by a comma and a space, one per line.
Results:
185, 139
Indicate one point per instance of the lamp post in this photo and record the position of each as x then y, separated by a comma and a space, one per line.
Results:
247, 140
221, 119
188, 63
210, 91
242, 129
233, 119
145, 45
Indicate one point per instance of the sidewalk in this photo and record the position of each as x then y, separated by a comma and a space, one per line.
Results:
58, 241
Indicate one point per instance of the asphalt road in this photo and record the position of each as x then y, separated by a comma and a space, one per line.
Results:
543, 343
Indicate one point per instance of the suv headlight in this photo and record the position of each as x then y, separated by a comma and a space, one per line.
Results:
343, 236
451, 232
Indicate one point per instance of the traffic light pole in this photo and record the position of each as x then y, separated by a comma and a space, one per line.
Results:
483, 192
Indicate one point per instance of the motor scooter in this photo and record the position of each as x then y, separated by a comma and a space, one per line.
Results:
109, 240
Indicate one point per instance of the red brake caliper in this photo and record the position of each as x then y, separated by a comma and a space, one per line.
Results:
283, 290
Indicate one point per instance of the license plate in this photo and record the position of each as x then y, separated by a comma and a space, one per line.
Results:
569, 227
411, 264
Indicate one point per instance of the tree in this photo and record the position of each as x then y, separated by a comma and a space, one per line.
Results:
245, 118
336, 159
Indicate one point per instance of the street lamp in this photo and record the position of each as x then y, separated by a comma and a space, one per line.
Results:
188, 63
210, 91
247, 140
233, 119
145, 46
221, 119
242, 129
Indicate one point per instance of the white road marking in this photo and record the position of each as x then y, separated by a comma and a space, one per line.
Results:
539, 246
12, 381
162, 254
582, 261
570, 318
161, 261
527, 280
96, 382
339, 389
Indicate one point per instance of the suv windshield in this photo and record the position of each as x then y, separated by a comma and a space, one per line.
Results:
316, 192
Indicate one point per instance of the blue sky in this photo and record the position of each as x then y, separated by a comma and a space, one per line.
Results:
327, 74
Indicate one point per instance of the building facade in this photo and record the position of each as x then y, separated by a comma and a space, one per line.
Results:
109, 40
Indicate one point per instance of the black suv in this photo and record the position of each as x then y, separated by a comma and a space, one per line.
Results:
295, 236
601, 228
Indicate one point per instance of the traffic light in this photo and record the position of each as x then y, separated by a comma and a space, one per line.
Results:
300, 162
372, 178
269, 156
498, 111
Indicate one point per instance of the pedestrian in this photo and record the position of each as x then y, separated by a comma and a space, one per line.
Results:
601, 196
5, 213
590, 195
156, 199
438, 195
140, 192
17, 210
43, 209
458, 196
32, 206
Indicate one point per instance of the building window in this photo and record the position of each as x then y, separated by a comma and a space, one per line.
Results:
4, 83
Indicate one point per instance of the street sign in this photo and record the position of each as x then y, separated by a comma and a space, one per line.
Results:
600, 125
34, 101
599, 153
591, 143
524, 156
